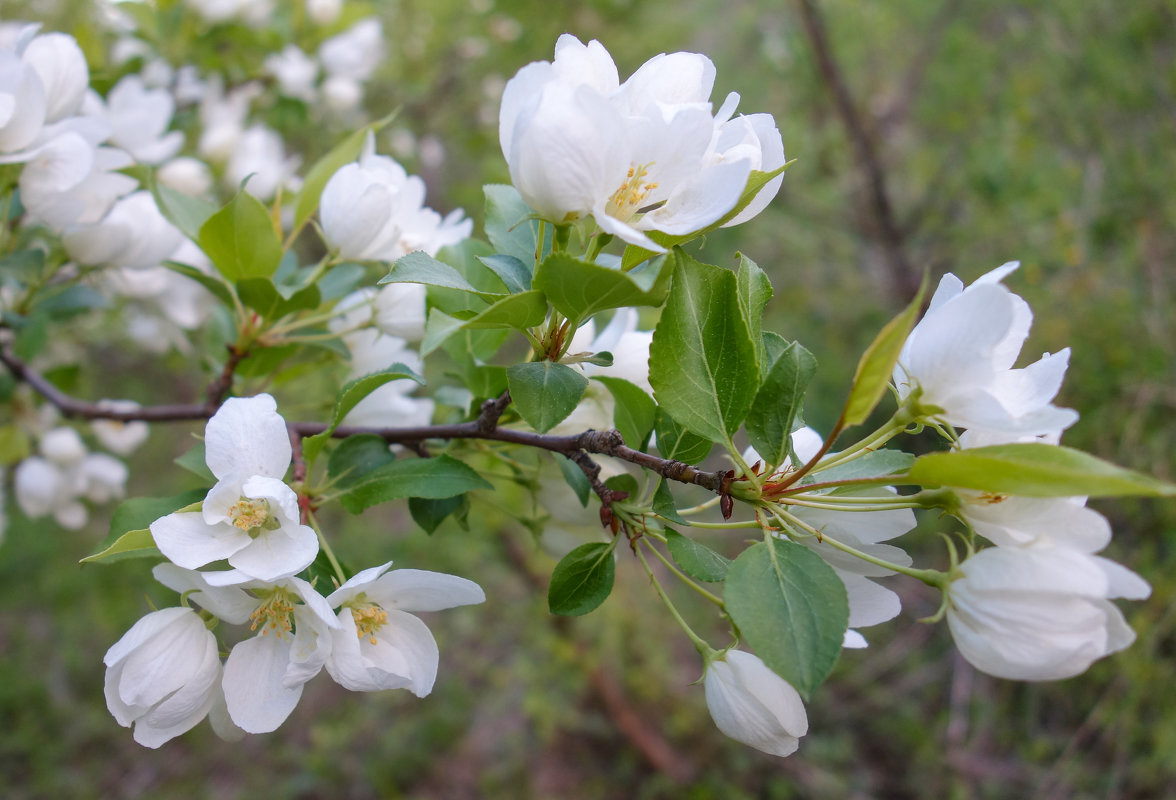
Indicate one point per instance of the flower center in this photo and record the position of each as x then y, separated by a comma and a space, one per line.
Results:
274, 613
252, 516
630, 197
368, 620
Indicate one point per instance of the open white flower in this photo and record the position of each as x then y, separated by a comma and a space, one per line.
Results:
1039, 613
133, 234
355, 53
63, 72
294, 71
163, 675
264, 674
960, 358
139, 118
250, 517
379, 644
754, 705
120, 437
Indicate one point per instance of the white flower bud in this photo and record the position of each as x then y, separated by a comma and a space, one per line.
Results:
754, 705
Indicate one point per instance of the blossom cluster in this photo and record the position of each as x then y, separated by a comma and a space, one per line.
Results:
165, 674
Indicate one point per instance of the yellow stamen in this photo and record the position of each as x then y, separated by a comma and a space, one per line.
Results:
249, 514
629, 198
275, 613
368, 620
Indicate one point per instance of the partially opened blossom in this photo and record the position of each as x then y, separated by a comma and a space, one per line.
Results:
754, 705
373, 210
379, 644
163, 675
1039, 613
250, 517
960, 357
265, 673
139, 118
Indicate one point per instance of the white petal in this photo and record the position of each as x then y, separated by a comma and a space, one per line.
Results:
421, 590
257, 700
186, 539
276, 554
247, 436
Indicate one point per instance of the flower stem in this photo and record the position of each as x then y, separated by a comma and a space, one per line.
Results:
685, 578
330, 554
701, 645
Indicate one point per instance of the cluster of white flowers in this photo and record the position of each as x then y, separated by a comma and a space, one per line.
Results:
165, 674
648, 154
1037, 606
336, 77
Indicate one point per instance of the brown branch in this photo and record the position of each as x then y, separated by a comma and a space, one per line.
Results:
903, 277
492, 410
219, 388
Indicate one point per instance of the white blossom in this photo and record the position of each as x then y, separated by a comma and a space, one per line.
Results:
133, 234
754, 705
295, 72
139, 118
355, 53
186, 175
260, 156
379, 644
1039, 613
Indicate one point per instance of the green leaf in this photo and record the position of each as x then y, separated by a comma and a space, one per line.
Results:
755, 290
544, 392
635, 411
514, 274
336, 158
575, 478
877, 364
132, 544
664, 504
194, 462
417, 267
435, 478
518, 311
791, 607
272, 302
696, 560
1034, 470
217, 287
582, 580
69, 301
778, 403
348, 397
241, 240
702, 361
25, 266
510, 227
14, 444
129, 536
429, 513
339, 281
677, 443
356, 457
184, 211
579, 289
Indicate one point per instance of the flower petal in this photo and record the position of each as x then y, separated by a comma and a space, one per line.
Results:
247, 436
257, 699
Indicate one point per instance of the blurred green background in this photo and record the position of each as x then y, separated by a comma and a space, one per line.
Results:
980, 133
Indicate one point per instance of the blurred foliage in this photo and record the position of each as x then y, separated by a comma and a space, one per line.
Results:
1039, 132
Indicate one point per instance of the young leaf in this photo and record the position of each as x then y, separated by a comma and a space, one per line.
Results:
1034, 470
877, 363
348, 397
132, 544
514, 274
129, 536
675, 442
356, 457
518, 311
241, 240
271, 302
509, 225
755, 290
212, 283
778, 403
791, 608
635, 411
433, 478
544, 392
579, 289
702, 361
696, 560
582, 580
575, 478
419, 267
193, 461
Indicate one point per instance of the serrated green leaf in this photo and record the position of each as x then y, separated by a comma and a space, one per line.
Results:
575, 478
347, 399
514, 274
544, 392
702, 361
877, 364
778, 403
696, 560
634, 413
356, 457
419, 267
791, 607
435, 478
240, 239
129, 536
582, 580
430, 513
579, 289
509, 225
184, 211
518, 311
675, 442
1034, 470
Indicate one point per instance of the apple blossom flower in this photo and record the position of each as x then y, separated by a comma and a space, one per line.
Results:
754, 705
186, 175
960, 357
294, 71
323, 12
133, 234
355, 53
62, 69
72, 182
139, 118
379, 644
638, 156
222, 117
250, 517
260, 156
1041, 612
264, 674
373, 210
163, 675
22, 103
102, 478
